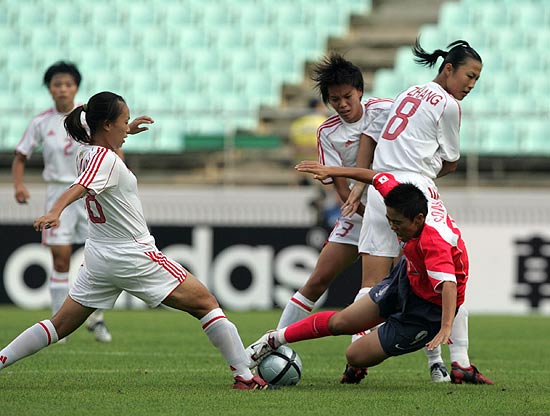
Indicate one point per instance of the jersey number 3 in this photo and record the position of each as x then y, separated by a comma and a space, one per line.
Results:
393, 130
95, 212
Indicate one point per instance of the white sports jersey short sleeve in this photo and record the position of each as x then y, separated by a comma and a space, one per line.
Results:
59, 150
338, 143
113, 205
120, 254
421, 132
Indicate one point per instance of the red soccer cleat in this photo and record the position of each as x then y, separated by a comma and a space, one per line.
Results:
470, 375
255, 383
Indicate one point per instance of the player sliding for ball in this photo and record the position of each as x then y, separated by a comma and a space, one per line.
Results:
416, 303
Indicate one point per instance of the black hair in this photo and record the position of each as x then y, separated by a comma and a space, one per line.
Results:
459, 52
408, 200
102, 107
335, 70
62, 67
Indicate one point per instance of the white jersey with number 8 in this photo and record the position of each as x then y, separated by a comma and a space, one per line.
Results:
421, 132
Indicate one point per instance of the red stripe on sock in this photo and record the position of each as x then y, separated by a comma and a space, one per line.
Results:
212, 321
300, 304
314, 326
47, 332
56, 280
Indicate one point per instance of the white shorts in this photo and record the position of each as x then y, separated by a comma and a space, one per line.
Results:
73, 222
138, 268
346, 230
378, 239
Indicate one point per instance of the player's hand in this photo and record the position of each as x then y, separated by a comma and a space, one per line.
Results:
351, 205
135, 124
45, 221
21, 194
442, 337
319, 171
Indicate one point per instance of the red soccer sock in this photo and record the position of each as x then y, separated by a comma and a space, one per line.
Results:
314, 326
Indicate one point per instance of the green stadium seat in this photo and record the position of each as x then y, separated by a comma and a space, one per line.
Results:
10, 37
387, 84
185, 47
536, 140
491, 16
68, 15
101, 15
141, 15
27, 14
91, 60
214, 15
527, 16
115, 38
127, 60
254, 17
455, 15
164, 61
499, 137
16, 127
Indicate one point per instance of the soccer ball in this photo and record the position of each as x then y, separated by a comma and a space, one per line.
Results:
283, 367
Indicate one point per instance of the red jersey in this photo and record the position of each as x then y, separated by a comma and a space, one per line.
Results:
437, 255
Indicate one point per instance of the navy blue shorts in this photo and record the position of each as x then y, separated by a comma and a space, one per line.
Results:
411, 322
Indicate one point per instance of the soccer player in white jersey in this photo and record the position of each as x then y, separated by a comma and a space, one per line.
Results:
120, 254
420, 142
416, 304
59, 155
341, 85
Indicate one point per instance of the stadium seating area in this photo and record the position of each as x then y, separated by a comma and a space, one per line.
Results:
203, 68
508, 113
196, 66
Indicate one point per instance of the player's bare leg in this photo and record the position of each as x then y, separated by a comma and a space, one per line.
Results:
59, 279
193, 297
71, 316
333, 260
366, 352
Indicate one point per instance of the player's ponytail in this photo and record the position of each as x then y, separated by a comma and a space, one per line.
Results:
459, 51
74, 127
101, 108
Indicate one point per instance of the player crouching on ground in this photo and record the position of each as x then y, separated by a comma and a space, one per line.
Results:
416, 304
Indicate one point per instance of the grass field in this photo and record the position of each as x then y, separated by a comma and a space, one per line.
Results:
160, 363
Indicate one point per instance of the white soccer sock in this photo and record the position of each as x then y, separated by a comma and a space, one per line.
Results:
362, 292
297, 308
459, 337
434, 356
225, 337
59, 289
30, 341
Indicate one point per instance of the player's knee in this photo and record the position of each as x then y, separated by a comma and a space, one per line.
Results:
338, 325
356, 356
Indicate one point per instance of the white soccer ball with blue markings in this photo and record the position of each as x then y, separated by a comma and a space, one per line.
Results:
283, 367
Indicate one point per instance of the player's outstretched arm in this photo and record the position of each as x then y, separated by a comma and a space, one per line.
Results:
448, 306
51, 218
322, 172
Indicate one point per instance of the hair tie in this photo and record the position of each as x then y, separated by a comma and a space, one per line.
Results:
85, 107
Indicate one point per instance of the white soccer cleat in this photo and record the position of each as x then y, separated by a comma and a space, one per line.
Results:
439, 373
258, 350
101, 333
